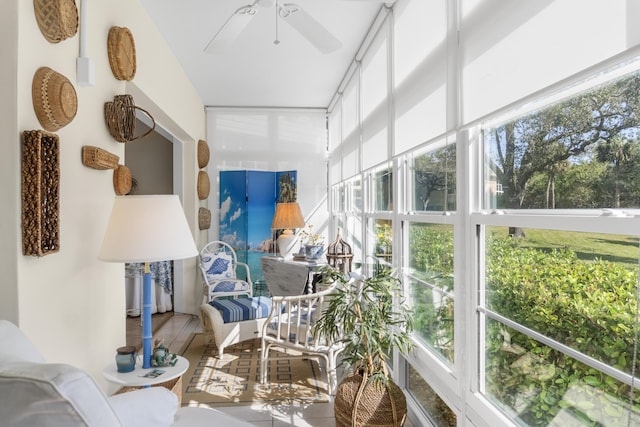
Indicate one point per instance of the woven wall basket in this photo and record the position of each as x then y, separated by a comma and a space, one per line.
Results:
57, 19
40, 193
121, 49
203, 154
203, 185
54, 99
204, 218
120, 116
97, 158
122, 180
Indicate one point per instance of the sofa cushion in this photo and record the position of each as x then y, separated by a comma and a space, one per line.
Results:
35, 394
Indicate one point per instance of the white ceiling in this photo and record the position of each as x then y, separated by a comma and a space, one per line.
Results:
255, 72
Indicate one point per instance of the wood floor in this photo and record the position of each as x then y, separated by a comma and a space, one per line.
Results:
173, 328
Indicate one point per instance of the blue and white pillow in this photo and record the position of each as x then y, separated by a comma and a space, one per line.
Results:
218, 267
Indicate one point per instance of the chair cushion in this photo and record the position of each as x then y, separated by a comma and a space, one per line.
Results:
230, 286
218, 266
238, 310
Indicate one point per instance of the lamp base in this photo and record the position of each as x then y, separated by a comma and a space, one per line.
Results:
286, 244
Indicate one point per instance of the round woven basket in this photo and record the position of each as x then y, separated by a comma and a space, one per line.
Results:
358, 405
122, 180
203, 154
57, 19
121, 49
203, 185
54, 99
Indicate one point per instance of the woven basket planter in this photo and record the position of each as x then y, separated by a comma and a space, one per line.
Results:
40, 193
122, 180
57, 19
203, 154
364, 405
120, 116
97, 158
203, 185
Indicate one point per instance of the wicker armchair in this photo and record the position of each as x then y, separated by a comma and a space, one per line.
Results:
219, 264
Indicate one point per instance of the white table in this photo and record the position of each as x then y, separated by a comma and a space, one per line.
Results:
135, 378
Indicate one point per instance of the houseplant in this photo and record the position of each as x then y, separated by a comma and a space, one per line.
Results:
364, 317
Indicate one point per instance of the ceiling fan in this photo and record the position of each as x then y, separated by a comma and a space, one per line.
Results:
293, 14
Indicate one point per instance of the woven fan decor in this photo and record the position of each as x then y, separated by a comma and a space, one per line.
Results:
57, 19
40, 193
97, 158
120, 116
203, 185
54, 99
204, 218
121, 49
203, 154
122, 180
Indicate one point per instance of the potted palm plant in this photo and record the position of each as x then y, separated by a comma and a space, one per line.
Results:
364, 317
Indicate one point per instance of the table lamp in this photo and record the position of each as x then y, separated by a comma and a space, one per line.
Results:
286, 217
147, 229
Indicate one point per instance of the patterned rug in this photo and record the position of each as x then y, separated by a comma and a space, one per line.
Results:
235, 379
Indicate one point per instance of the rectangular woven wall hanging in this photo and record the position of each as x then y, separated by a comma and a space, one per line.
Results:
40, 193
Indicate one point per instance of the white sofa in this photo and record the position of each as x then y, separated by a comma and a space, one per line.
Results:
36, 393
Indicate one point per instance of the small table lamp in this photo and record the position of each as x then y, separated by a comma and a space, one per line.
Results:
286, 217
147, 229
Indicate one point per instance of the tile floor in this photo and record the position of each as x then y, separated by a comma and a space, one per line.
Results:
177, 328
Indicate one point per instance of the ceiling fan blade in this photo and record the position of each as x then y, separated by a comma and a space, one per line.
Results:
231, 29
309, 28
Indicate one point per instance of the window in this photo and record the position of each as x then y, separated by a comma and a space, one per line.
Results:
433, 176
438, 412
504, 168
430, 276
559, 279
579, 153
383, 189
380, 233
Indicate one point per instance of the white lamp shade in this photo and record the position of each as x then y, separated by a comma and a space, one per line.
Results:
147, 229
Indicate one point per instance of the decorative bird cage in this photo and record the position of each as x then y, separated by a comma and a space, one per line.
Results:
340, 255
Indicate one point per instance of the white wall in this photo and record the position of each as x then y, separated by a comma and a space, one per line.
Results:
69, 303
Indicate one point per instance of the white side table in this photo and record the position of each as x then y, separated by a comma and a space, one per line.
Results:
136, 377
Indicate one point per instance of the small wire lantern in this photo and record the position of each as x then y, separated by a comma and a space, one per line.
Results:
340, 255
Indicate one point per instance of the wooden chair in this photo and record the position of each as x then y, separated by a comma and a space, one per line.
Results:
219, 267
